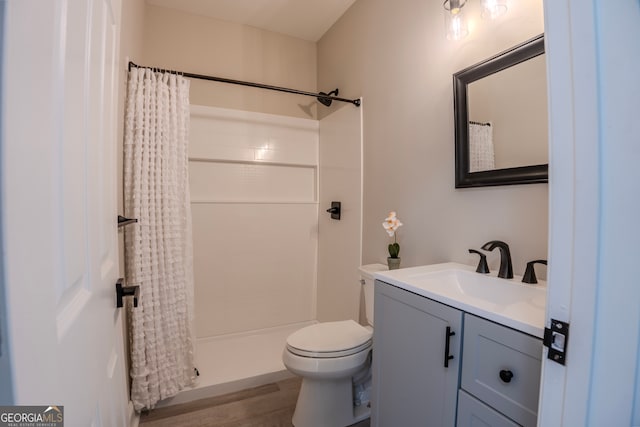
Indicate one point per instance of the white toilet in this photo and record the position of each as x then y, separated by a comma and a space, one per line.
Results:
334, 361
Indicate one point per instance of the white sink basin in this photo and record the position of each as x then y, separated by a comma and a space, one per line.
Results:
508, 302
469, 284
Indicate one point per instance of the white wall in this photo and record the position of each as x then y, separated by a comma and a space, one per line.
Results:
339, 242
396, 56
253, 182
198, 44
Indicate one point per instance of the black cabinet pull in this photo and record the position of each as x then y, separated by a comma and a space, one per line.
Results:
447, 356
506, 375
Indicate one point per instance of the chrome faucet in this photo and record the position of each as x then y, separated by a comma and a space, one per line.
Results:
506, 268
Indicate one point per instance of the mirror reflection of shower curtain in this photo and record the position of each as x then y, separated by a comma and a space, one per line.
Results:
158, 249
481, 156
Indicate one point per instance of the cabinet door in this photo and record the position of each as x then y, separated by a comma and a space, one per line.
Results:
411, 385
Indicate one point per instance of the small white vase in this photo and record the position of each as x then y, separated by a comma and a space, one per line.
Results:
393, 263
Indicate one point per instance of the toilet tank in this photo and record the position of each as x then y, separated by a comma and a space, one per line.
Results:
366, 274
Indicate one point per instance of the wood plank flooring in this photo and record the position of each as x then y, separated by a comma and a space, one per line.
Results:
270, 405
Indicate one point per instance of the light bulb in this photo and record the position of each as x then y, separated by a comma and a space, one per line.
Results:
456, 25
492, 9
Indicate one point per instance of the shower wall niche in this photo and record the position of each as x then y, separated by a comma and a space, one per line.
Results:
254, 201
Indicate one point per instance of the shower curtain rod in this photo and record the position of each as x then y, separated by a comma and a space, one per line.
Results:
323, 96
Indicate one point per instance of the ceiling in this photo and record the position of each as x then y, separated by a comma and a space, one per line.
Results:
304, 19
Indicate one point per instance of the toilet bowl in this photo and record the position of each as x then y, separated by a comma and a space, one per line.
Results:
334, 361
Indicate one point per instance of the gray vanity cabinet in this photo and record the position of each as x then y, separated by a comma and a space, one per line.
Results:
411, 385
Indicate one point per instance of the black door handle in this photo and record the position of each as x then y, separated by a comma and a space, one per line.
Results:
126, 291
335, 209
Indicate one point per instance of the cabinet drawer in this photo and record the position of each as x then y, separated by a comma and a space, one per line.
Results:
473, 413
492, 353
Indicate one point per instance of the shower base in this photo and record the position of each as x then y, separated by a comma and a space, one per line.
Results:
234, 362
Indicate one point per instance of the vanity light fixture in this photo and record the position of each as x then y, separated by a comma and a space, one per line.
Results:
456, 23
492, 9
454, 20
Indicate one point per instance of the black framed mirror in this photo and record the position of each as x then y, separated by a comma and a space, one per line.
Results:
520, 122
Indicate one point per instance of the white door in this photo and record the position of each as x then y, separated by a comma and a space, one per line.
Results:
593, 64
59, 214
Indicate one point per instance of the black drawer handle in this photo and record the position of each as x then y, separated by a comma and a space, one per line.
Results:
447, 356
506, 376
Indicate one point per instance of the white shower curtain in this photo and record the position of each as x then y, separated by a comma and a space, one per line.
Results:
158, 249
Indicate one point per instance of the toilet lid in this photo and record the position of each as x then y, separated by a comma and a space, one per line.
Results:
330, 339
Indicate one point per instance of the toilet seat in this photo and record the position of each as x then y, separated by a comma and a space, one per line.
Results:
330, 339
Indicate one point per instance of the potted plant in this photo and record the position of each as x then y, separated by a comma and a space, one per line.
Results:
391, 224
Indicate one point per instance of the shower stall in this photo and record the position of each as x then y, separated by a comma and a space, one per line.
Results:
268, 258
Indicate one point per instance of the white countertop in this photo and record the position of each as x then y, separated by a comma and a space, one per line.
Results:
509, 302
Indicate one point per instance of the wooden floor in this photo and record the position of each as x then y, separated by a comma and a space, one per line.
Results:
271, 405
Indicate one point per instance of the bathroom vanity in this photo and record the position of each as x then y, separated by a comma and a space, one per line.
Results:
453, 347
